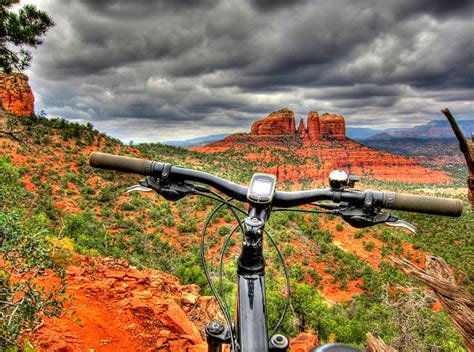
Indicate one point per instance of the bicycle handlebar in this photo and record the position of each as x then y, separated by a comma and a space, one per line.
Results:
388, 200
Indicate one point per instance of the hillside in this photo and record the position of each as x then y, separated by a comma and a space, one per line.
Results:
86, 210
198, 141
306, 156
432, 151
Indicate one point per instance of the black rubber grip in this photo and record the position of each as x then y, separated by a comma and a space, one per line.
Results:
121, 163
423, 204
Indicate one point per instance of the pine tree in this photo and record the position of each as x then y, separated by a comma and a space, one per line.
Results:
20, 29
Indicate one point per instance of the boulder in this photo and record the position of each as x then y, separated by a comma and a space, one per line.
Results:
176, 320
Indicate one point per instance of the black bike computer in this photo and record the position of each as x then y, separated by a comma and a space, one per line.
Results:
262, 188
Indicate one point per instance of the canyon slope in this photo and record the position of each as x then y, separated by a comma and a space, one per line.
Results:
308, 153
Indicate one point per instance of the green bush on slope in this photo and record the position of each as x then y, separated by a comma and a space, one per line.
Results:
25, 255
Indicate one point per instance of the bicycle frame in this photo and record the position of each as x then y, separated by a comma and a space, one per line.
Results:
251, 321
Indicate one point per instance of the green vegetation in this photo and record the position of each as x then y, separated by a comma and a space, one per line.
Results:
25, 255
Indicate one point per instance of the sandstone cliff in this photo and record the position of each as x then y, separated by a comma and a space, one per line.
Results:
333, 127
314, 127
16, 96
282, 123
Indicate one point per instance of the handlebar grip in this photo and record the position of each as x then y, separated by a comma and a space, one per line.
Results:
121, 163
423, 204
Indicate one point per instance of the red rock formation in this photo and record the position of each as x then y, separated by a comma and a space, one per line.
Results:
333, 127
314, 129
302, 132
313, 162
16, 96
281, 122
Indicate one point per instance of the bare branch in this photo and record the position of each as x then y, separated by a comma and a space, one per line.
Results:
376, 344
456, 300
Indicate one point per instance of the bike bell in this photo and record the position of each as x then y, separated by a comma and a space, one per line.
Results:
338, 180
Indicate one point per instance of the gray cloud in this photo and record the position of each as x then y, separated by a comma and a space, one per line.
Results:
179, 69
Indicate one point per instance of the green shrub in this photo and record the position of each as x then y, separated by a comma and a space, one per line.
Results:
369, 246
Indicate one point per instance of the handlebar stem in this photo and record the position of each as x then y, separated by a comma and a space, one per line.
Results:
251, 259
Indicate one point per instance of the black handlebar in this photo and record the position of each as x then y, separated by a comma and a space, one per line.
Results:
388, 200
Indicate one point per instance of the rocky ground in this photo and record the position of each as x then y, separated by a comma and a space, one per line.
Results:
115, 307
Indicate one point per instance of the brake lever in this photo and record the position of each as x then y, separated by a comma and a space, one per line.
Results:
358, 218
169, 190
143, 186
403, 224
138, 188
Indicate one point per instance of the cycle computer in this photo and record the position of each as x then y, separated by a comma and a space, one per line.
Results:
262, 188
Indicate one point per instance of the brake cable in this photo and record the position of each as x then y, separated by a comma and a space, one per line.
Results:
221, 259
223, 305
208, 277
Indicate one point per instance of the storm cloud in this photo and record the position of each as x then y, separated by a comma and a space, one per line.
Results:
154, 70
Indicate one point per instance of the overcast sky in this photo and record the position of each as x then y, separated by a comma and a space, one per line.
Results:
155, 70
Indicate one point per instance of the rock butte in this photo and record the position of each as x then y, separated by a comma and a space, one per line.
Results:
16, 96
282, 123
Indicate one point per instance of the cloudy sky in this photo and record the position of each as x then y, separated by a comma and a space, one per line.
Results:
155, 70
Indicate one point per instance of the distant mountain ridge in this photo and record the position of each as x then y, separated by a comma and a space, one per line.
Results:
198, 141
432, 129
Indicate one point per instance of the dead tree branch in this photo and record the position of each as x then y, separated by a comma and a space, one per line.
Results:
456, 300
466, 150
376, 344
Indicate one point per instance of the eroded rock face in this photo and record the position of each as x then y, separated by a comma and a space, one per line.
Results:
281, 122
124, 309
314, 128
16, 96
333, 127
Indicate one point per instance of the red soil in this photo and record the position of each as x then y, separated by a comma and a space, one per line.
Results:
117, 308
